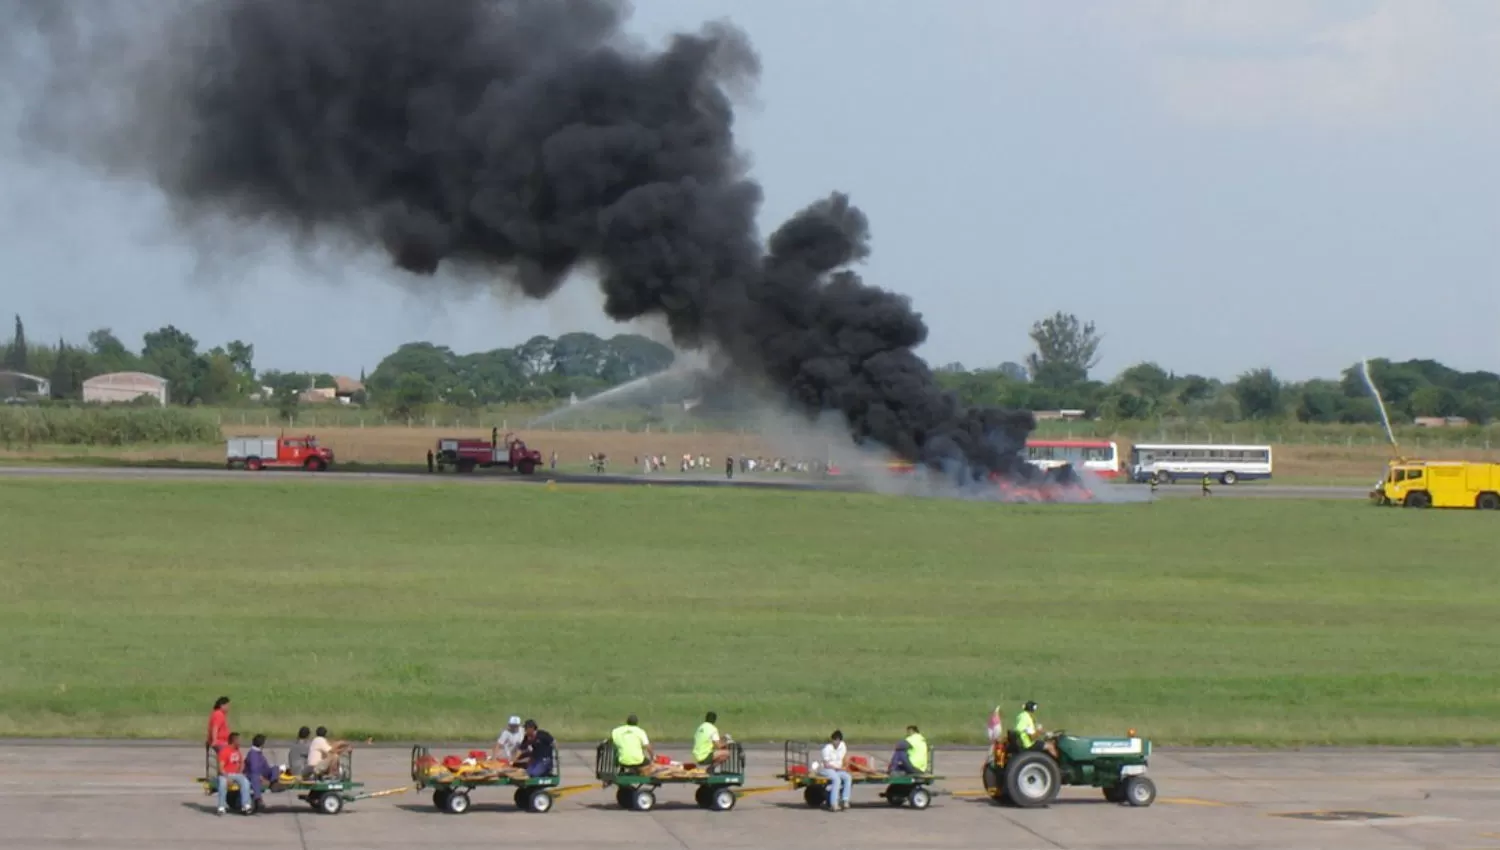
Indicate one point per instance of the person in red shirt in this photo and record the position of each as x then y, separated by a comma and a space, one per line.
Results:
232, 769
218, 725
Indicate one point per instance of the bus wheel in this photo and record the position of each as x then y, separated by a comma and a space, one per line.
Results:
1229, 478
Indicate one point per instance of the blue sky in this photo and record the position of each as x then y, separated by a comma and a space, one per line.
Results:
1218, 185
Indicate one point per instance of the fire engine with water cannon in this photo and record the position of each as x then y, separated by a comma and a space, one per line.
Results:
1413, 483
465, 455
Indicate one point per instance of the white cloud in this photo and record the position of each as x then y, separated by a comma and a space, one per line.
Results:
1246, 62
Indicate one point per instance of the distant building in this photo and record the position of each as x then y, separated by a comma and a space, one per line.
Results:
1442, 422
124, 387
15, 383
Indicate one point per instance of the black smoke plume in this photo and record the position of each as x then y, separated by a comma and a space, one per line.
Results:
529, 138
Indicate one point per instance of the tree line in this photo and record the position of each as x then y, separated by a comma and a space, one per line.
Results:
1056, 375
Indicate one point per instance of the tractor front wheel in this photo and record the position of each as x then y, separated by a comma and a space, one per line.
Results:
1140, 791
1032, 780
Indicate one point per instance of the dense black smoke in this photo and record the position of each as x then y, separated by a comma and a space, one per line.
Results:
530, 139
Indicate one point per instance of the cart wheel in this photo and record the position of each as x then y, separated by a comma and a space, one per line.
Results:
314, 799
622, 797
330, 804
814, 795
643, 800
920, 798
701, 796
539, 801
722, 799
457, 802
520, 797
440, 799
895, 797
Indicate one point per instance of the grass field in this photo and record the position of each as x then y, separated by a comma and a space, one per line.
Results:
1351, 464
429, 611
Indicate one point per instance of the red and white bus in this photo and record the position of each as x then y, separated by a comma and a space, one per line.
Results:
1101, 457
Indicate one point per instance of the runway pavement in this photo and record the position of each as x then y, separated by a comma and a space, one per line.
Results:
56, 796
1111, 492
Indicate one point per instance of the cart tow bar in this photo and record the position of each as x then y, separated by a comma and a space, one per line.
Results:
569, 790
386, 793
763, 789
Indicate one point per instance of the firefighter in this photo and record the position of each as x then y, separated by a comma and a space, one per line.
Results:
429, 460
1205, 484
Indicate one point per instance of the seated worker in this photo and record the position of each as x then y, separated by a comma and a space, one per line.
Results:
911, 753
297, 754
323, 757
508, 742
1026, 734
633, 751
537, 751
709, 747
260, 770
232, 770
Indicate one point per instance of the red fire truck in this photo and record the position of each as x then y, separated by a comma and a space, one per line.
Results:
465, 455
301, 452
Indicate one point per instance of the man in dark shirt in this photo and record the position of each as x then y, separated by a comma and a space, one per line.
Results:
538, 751
260, 771
296, 757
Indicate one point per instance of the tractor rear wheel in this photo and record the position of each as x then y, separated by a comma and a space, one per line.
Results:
1140, 791
1032, 780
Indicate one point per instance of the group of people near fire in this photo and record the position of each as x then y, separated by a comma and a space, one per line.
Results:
530, 748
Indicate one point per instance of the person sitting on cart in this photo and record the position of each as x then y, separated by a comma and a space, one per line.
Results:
297, 755
232, 770
323, 757
840, 781
633, 751
709, 747
537, 751
508, 743
260, 770
911, 754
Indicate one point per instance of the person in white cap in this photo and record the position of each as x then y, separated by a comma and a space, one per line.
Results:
510, 740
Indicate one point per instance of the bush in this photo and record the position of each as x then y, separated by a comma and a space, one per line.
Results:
105, 426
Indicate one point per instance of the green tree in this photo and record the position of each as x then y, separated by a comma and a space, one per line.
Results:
107, 354
410, 397
173, 354
1259, 394
67, 376
1320, 401
15, 356
1066, 349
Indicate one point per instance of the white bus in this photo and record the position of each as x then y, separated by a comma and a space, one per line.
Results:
1165, 463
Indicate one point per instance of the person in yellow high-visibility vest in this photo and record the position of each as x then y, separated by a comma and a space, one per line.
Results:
912, 753
632, 748
1026, 733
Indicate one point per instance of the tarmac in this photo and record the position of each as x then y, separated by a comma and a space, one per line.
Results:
65, 796
1109, 492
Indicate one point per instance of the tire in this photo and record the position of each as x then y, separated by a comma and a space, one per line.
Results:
1228, 478
994, 783
1418, 499
253, 464
1140, 791
701, 796
815, 795
895, 797
1032, 780
1163, 477
643, 800
539, 801
330, 804
520, 797
314, 799
622, 797
920, 798
1488, 502
440, 799
314, 464
1115, 793
722, 799
457, 802
526, 467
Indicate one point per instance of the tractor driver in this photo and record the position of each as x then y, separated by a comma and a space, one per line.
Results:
1026, 732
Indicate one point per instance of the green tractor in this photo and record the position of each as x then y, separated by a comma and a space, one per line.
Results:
1032, 778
